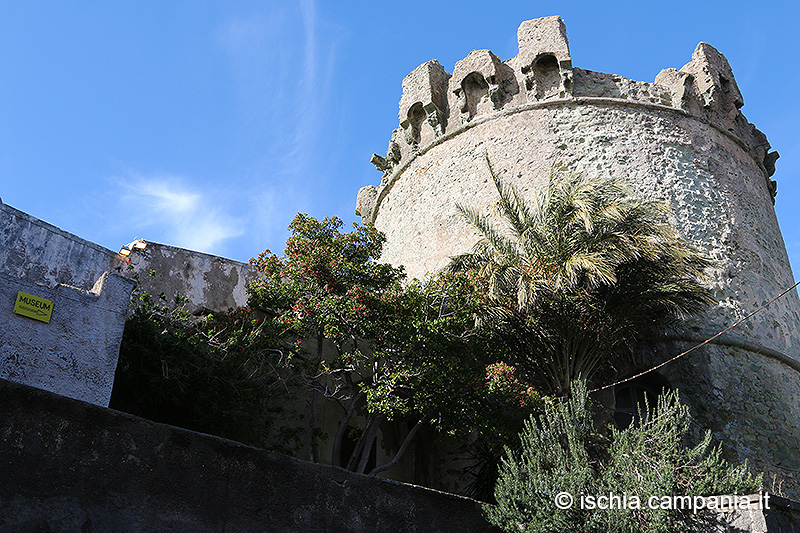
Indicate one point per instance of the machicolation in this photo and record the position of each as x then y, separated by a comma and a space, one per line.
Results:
681, 139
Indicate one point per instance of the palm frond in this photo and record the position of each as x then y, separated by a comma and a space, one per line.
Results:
579, 270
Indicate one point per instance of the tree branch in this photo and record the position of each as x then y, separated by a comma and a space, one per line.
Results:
368, 441
337, 440
402, 449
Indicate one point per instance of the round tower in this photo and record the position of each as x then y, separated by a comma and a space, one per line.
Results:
681, 139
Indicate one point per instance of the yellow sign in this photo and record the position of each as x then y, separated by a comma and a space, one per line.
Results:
33, 307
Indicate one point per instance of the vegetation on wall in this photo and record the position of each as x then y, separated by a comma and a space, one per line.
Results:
222, 374
382, 350
327, 322
552, 295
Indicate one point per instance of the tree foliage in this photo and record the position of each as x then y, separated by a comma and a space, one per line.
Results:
561, 452
382, 350
222, 374
580, 273
328, 288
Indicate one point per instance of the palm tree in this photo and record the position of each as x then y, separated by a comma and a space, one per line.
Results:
579, 273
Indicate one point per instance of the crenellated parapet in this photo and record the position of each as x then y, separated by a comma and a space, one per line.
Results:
423, 106
681, 139
543, 60
477, 85
436, 103
706, 88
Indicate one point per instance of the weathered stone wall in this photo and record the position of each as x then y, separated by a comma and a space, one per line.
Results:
746, 394
717, 192
69, 466
75, 354
782, 517
38, 252
210, 282
682, 139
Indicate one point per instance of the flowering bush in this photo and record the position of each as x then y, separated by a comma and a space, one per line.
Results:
501, 381
396, 351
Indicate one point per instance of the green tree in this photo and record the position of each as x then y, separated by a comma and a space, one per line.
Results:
561, 452
327, 287
579, 273
380, 349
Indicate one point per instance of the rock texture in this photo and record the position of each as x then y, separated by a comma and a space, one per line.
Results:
681, 139
208, 282
38, 252
75, 354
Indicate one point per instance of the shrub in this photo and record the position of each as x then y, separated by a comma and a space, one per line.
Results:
219, 374
561, 452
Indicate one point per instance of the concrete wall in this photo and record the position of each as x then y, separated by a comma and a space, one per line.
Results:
38, 252
782, 517
70, 466
76, 353
681, 139
208, 281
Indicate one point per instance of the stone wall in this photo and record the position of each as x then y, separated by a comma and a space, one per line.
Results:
38, 252
70, 466
209, 282
681, 139
75, 353
782, 517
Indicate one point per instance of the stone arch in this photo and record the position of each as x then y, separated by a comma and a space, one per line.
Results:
546, 77
474, 88
416, 117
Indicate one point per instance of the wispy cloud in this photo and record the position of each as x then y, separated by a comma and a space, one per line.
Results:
280, 61
177, 213
283, 61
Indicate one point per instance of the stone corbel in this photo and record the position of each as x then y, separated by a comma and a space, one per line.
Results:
386, 164
533, 82
496, 93
565, 68
408, 132
365, 202
381, 163
435, 118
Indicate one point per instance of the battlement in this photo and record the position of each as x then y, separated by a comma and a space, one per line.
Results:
681, 139
436, 103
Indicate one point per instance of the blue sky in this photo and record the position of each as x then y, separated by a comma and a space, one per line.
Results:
207, 125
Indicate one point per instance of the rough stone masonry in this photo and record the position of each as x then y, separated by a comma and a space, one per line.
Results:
681, 139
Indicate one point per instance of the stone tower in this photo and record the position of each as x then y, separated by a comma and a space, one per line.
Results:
681, 139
